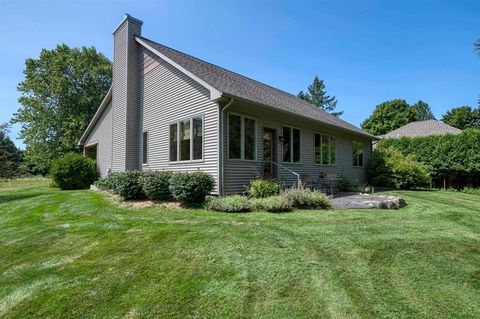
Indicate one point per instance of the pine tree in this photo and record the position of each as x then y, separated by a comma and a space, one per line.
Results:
317, 95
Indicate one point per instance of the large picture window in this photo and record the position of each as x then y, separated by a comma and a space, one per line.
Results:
241, 137
325, 151
357, 153
186, 139
291, 145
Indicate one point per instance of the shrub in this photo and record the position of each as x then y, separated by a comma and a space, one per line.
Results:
107, 182
390, 168
156, 185
128, 184
273, 204
230, 204
191, 187
260, 188
306, 198
344, 185
73, 171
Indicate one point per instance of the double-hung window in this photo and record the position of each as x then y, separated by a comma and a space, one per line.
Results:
291, 144
186, 139
325, 151
241, 137
357, 153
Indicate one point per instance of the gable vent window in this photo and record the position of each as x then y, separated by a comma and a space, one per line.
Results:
242, 134
357, 153
325, 151
145, 148
186, 140
291, 145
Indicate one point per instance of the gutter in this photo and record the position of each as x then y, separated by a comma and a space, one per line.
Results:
222, 144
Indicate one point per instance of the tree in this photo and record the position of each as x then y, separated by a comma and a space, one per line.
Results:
389, 116
60, 93
462, 117
10, 155
423, 110
317, 96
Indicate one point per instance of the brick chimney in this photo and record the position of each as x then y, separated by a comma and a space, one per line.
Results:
125, 97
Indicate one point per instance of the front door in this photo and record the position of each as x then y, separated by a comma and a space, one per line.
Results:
269, 154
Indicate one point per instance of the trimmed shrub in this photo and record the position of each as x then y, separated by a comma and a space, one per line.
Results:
344, 185
390, 168
156, 185
128, 184
73, 171
273, 204
229, 204
306, 198
191, 187
260, 188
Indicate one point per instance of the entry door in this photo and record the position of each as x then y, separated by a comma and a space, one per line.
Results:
269, 154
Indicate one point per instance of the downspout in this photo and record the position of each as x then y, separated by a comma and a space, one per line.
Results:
222, 144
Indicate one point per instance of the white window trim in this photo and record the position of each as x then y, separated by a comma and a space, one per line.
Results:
363, 154
242, 138
191, 160
321, 149
148, 140
291, 149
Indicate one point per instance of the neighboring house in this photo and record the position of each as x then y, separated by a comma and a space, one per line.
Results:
167, 110
422, 128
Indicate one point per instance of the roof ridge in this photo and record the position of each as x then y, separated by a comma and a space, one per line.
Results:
244, 76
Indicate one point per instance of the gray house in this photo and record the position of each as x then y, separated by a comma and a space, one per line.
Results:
167, 110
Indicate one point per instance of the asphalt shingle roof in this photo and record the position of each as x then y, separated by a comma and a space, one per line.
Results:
236, 85
422, 128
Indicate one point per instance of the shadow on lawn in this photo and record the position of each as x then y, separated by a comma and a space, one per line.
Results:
11, 198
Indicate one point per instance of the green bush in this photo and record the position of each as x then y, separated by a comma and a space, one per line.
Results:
230, 204
156, 185
390, 168
260, 188
191, 187
107, 182
128, 184
306, 198
273, 204
73, 171
344, 185
454, 159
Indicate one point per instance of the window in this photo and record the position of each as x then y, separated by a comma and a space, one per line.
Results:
241, 137
291, 145
357, 153
186, 140
324, 149
145, 148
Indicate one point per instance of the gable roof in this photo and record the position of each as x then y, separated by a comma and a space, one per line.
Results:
231, 84
96, 117
422, 128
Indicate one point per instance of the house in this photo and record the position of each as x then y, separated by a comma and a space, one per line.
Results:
167, 110
422, 128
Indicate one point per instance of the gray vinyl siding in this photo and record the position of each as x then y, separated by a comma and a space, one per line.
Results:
166, 96
238, 173
102, 135
125, 129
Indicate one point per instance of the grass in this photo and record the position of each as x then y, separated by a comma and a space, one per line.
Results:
74, 254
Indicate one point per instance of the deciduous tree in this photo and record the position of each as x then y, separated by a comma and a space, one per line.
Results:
423, 110
60, 93
462, 117
389, 116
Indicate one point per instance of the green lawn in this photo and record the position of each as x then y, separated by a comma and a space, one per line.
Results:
71, 254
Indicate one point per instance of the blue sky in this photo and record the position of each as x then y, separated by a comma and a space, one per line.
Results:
366, 51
